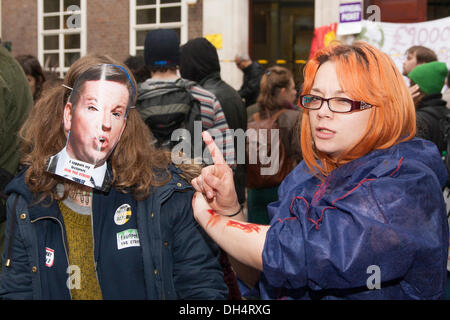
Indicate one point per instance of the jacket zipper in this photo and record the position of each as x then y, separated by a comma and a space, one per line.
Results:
63, 240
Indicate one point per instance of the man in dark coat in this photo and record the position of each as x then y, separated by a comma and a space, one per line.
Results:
199, 62
253, 72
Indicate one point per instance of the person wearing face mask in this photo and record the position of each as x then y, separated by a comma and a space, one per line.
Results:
362, 216
136, 239
275, 102
94, 119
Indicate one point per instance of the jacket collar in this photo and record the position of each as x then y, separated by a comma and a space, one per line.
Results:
45, 208
434, 100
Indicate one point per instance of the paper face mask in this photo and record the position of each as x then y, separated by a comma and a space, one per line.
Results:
94, 117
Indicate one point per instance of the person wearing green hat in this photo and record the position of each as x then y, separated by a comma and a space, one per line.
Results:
430, 107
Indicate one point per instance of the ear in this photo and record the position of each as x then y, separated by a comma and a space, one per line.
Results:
67, 116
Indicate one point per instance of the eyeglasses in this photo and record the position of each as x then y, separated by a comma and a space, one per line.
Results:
335, 104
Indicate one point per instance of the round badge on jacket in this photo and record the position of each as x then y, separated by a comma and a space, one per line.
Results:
123, 214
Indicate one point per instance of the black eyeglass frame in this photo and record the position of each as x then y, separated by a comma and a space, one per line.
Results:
355, 105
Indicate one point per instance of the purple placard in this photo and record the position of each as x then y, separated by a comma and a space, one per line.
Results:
350, 12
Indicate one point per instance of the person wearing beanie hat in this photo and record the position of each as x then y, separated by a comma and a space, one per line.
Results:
162, 48
429, 76
162, 58
430, 107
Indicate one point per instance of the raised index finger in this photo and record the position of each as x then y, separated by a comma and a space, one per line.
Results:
213, 149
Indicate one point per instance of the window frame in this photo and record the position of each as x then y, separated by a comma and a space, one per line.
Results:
61, 32
134, 28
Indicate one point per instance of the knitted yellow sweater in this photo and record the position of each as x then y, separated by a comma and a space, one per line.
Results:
81, 254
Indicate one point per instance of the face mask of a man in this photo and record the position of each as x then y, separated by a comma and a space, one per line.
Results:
94, 119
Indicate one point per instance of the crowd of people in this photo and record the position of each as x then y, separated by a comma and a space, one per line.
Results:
138, 166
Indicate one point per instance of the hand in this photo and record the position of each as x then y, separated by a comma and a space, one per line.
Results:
216, 181
414, 90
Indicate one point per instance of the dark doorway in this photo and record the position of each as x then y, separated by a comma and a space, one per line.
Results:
438, 9
281, 32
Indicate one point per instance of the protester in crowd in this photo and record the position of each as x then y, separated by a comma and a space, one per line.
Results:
275, 101
430, 107
200, 63
362, 217
138, 240
414, 56
137, 65
253, 72
417, 55
34, 73
83, 159
15, 102
187, 100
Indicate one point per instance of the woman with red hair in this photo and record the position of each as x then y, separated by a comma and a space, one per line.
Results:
362, 217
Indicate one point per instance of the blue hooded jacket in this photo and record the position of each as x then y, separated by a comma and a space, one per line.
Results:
375, 228
174, 259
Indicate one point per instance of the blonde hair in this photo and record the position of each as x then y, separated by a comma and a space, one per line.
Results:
365, 74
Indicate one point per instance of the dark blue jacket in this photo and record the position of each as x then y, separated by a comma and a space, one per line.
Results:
174, 260
380, 217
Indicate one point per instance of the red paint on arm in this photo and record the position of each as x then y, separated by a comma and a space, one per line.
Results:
213, 219
247, 227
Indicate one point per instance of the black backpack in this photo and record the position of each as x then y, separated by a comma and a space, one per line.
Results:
168, 107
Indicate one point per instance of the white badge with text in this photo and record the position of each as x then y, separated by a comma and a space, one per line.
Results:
127, 238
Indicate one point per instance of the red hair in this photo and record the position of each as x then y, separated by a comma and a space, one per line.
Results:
364, 74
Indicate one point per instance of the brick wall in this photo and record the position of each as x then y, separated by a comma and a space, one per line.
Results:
108, 28
19, 25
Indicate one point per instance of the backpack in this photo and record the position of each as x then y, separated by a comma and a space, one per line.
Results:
444, 134
169, 107
258, 173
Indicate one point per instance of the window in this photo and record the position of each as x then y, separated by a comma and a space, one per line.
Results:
147, 15
61, 33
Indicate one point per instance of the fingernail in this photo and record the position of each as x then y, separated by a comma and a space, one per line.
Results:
210, 194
